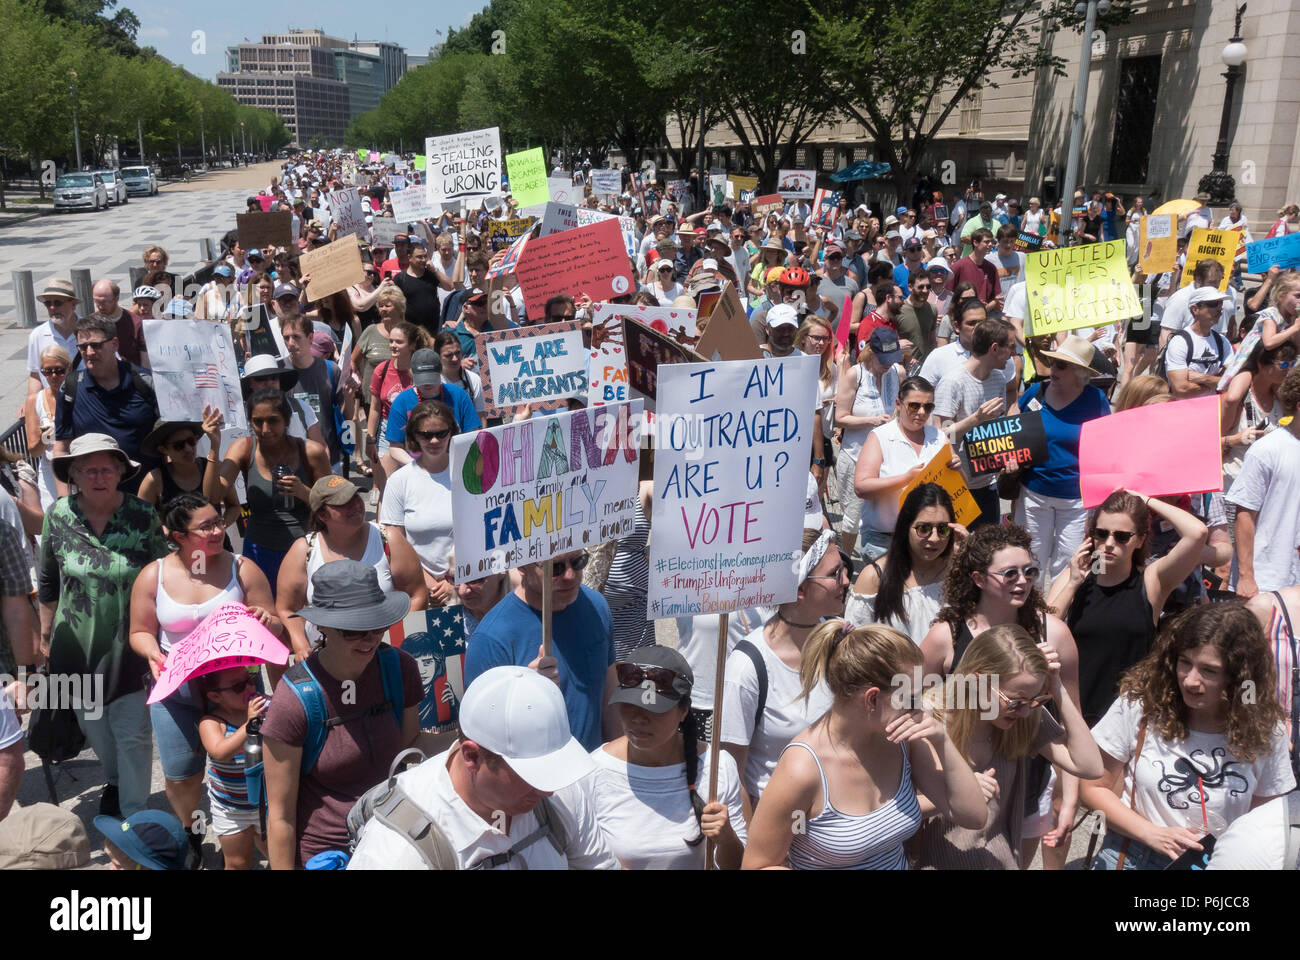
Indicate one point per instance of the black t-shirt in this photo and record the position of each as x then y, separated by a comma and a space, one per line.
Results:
421, 298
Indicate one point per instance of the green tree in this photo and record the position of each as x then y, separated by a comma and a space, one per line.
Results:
477, 37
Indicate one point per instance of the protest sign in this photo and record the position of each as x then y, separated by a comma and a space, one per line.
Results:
229, 636
796, 184
562, 190
607, 182
627, 225
463, 166
537, 364
1157, 245
742, 184
1282, 252
263, 329
1203, 244
647, 351
1028, 242
333, 267
1158, 450
995, 444
588, 260
413, 204
436, 639
362, 155
826, 208
607, 358
385, 229
527, 172
678, 323
396, 182
1075, 287
938, 471
501, 233
193, 363
732, 441
558, 217
718, 189
346, 210
266, 203
728, 335
526, 491
420, 161
768, 203
679, 188
257, 231
939, 212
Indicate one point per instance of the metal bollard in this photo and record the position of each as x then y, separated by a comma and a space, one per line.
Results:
81, 282
205, 249
24, 298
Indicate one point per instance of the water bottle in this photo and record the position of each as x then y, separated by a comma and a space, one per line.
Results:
283, 501
253, 743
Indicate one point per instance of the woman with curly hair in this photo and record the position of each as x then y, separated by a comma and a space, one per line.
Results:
1187, 747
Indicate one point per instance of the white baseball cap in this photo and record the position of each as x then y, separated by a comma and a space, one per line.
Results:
1206, 295
519, 714
782, 315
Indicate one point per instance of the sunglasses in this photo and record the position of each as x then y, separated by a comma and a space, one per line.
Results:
921, 288
914, 407
1061, 365
182, 444
925, 529
54, 371
1101, 535
1011, 574
834, 256
357, 635
578, 563
427, 435
1284, 364
90, 345
632, 675
239, 686
1032, 704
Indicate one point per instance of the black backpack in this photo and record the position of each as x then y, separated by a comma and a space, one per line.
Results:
142, 380
1219, 346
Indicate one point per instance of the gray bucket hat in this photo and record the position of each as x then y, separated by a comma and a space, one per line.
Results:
346, 595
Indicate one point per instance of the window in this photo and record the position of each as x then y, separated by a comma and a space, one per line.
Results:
970, 113
1135, 119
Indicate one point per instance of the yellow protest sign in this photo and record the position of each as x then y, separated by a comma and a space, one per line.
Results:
1157, 245
742, 183
1206, 244
1084, 286
938, 471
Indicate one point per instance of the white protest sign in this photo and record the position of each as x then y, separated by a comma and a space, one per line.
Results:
413, 204
463, 166
347, 212
730, 482
557, 218
193, 364
527, 491
562, 190
586, 215
607, 359
524, 365
607, 181
385, 229
796, 184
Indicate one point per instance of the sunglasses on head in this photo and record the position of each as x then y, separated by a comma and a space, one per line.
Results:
1032, 703
578, 563
1101, 535
631, 675
433, 434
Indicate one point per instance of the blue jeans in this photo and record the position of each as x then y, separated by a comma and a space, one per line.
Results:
121, 738
1138, 856
874, 544
176, 730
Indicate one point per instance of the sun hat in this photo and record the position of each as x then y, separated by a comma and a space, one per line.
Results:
162, 429
520, 715
265, 365
645, 692
1076, 351
346, 595
772, 243
939, 263
42, 836
333, 490
57, 287
87, 444
152, 838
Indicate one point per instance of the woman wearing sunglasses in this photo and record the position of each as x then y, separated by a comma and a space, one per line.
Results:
1251, 408
991, 705
38, 411
417, 500
175, 443
649, 786
170, 598
902, 588
1111, 596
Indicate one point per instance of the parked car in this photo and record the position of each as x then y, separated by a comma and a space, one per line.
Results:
140, 181
74, 190
115, 185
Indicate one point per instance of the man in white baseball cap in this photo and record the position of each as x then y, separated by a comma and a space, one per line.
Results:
505, 796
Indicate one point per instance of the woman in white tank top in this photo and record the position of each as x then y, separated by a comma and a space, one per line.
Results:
170, 598
39, 417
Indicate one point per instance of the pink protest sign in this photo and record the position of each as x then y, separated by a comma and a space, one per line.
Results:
229, 636
1160, 450
845, 325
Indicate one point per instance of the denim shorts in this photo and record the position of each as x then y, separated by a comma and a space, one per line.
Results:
176, 731
1137, 857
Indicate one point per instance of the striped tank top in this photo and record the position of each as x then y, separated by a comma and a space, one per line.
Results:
226, 778
869, 841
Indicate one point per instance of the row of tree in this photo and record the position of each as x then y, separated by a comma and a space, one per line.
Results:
589, 75
44, 55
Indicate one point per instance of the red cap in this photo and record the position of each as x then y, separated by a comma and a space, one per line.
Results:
701, 232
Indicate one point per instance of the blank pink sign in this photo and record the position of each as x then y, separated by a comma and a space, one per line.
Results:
1160, 450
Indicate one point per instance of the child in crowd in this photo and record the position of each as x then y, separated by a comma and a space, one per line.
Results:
232, 701
148, 840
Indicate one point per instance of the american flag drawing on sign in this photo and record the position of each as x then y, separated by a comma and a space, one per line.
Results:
436, 639
826, 208
206, 376
507, 263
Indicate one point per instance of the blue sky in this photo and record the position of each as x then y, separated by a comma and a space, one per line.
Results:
169, 26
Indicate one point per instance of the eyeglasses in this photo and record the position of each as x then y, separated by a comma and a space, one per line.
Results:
1061, 365
182, 444
1101, 535
239, 686
1033, 703
96, 345
54, 303
914, 407
923, 530
54, 371
834, 256
427, 435
1011, 574
578, 563
631, 675
563, 316
817, 338
212, 526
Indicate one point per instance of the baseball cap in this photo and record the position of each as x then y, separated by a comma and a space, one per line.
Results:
708, 263
835, 247
254, 254
401, 238
644, 690
154, 839
884, 344
912, 244
852, 235
285, 290
332, 491
782, 315
715, 225
663, 263
223, 270
476, 296
1206, 295
901, 210
520, 715
426, 368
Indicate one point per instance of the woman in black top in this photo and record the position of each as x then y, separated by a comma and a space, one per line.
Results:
1111, 598
175, 442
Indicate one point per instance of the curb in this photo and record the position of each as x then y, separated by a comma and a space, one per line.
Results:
8, 221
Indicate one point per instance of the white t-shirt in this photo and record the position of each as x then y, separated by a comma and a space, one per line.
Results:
420, 501
1254, 841
784, 713
645, 813
665, 297
939, 363
11, 729
1178, 314
1011, 269
697, 641
1269, 482
301, 417
1167, 793
1016, 304
1204, 355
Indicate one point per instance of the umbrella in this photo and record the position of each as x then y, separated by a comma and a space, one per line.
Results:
1179, 207
862, 170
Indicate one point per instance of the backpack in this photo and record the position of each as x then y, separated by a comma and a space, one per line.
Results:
334, 371
141, 379
1162, 370
760, 668
1292, 860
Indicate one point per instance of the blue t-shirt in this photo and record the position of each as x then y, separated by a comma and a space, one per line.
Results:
583, 646
903, 277
1059, 476
122, 413
462, 408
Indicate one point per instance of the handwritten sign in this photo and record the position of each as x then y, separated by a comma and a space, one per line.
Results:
1282, 252
527, 172
589, 260
544, 364
995, 444
627, 225
463, 166
768, 203
1203, 244
728, 335
526, 491
647, 351
227, 637
607, 378
347, 212
1074, 287
607, 182
730, 474
558, 217
193, 363
413, 204
741, 184
384, 231
938, 471
796, 184
257, 231
1157, 245
562, 190
333, 267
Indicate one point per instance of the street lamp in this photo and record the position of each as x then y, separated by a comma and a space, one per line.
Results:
243, 145
1218, 183
203, 140
1090, 11
76, 130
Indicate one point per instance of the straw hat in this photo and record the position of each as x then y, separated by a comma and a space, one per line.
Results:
1076, 351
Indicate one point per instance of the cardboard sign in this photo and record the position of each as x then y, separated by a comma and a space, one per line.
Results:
1028, 242
647, 351
607, 182
938, 471
768, 203
1282, 252
586, 260
227, 637
463, 166
1075, 287
257, 231
436, 639
607, 379
796, 184
730, 482
527, 172
502, 233
991, 446
346, 210
1203, 244
413, 204
193, 363
557, 218
420, 162
728, 335
539, 365
333, 267
385, 230
1159, 450
1157, 244
527, 491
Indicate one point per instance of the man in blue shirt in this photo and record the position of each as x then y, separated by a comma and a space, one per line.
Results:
582, 660
426, 384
